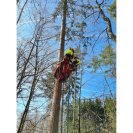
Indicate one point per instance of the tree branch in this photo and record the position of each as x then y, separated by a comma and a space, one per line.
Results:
107, 20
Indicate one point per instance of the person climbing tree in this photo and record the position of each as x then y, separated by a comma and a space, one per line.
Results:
63, 67
72, 66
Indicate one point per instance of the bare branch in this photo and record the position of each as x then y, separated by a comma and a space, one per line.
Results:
107, 20
21, 10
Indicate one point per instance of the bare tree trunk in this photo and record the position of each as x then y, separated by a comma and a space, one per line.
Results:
21, 125
74, 103
68, 98
54, 118
62, 109
79, 130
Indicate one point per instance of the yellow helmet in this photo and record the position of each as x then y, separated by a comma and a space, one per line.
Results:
70, 51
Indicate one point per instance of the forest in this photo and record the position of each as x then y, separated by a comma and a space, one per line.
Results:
86, 101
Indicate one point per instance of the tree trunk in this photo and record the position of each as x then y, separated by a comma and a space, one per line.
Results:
79, 123
74, 103
62, 109
68, 98
54, 117
23, 119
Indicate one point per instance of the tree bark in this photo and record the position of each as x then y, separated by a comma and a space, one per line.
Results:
54, 117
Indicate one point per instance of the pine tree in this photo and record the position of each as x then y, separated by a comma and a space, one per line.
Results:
54, 118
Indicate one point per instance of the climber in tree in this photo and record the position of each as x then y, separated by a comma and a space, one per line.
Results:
68, 70
63, 67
